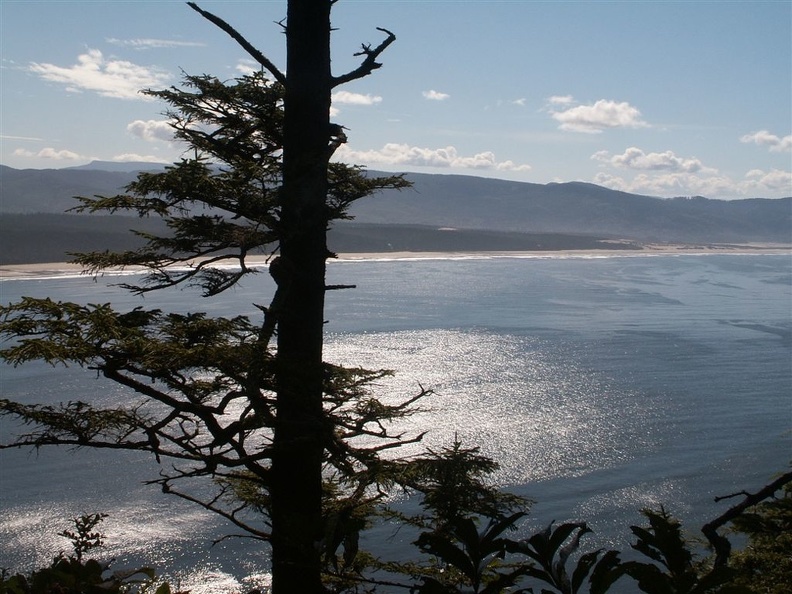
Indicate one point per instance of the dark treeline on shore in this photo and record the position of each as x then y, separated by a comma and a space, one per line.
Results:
40, 238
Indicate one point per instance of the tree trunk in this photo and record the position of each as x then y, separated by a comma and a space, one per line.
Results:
298, 443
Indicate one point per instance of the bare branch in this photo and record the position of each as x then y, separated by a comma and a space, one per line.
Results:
246, 45
212, 506
369, 63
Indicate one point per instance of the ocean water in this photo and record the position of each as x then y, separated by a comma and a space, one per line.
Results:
601, 385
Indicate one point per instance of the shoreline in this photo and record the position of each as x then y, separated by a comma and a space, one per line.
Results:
48, 269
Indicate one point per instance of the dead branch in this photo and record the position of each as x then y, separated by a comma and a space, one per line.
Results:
246, 45
369, 62
720, 543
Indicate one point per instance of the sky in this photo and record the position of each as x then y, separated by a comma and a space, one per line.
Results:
657, 98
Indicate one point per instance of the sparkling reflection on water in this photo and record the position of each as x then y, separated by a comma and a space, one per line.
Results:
601, 386
511, 396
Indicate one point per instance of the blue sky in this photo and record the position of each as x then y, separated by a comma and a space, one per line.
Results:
658, 98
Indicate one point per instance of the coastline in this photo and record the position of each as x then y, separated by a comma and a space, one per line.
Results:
48, 269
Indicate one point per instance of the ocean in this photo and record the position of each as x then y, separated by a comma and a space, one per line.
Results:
602, 385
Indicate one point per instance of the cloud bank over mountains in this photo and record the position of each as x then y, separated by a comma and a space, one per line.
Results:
594, 125
635, 158
672, 175
403, 155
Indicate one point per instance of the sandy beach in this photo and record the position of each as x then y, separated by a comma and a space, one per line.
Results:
42, 270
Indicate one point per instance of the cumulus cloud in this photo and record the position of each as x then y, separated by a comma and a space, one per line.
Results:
406, 155
50, 153
775, 179
775, 143
635, 158
667, 174
593, 119
433, 95
521, 101
143, 44
151, 130
671, 184
347, 98
107, 77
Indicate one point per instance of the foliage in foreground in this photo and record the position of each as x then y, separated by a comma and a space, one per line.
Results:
474, 554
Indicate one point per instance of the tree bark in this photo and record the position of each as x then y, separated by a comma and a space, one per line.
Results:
298, 443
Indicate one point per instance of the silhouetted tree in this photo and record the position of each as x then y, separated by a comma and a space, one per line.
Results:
268, 425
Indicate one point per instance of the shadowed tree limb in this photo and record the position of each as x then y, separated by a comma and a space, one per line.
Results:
720, 543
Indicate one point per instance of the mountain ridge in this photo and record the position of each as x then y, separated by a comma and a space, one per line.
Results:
471, 203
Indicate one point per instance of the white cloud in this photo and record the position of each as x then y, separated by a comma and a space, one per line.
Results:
671, 184
775, 143
593, 119
561, 100
521, 102
406, 155
247, 67
666, 174
30, 138
133, 157
152, 130
757, 183
107, 77
50, 153
143, 44
635, 158
509, 165
347, 98
756, 179
433, 95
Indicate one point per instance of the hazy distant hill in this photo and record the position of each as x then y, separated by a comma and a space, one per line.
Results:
119, 166
480, 203
462, 202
